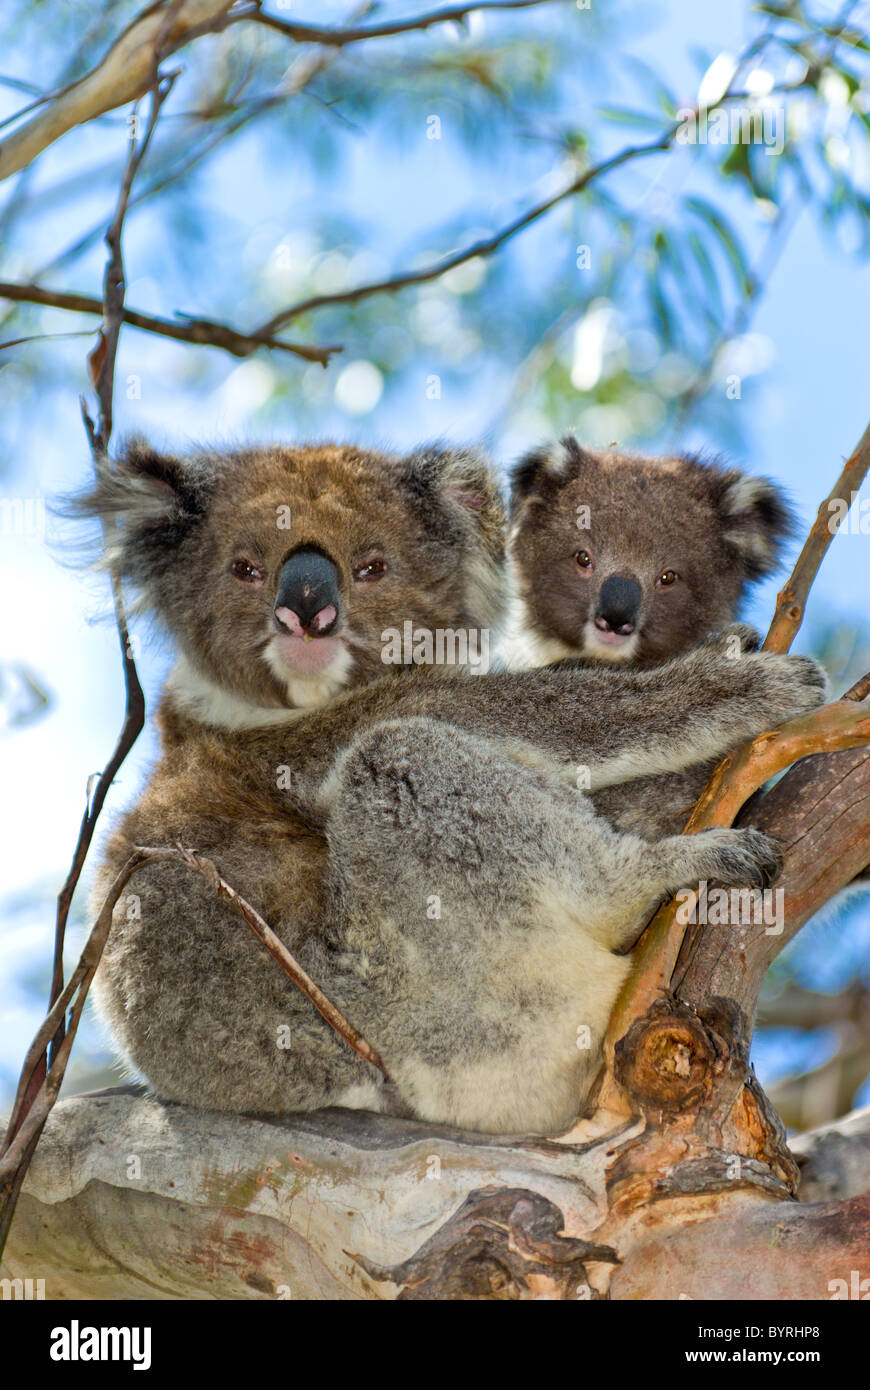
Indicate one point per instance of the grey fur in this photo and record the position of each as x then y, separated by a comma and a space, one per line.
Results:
407, 789
719, 529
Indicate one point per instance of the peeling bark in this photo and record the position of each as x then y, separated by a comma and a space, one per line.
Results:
129, 1198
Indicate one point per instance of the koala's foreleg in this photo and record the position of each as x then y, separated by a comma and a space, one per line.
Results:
699, 706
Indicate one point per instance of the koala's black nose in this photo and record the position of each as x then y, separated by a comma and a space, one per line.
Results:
618, 605
308, 601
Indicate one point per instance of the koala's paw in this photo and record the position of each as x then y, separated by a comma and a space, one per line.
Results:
739, 858
791, 685
735, 639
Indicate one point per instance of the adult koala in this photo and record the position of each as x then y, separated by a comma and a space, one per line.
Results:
412, 834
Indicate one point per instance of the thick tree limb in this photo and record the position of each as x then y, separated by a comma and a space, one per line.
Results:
346, 1205
125, 74
834, 1160
204, 332
820, 814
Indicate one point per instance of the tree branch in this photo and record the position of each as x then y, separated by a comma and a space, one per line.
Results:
485, 247
204, 332
837, 726
44, 1077
27, 1120
294, 83
827, 1091
125, 74
796, 1007
330, 37
841, 724
792, 597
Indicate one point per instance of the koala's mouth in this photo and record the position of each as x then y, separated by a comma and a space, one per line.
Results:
609, 646
307, 656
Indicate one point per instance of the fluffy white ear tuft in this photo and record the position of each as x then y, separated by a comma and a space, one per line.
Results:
546, 468
555, 459
757, 521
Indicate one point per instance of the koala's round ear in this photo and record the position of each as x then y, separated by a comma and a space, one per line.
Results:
755, 517
542, 471
153, 497
456, 495
142, 486
456, 492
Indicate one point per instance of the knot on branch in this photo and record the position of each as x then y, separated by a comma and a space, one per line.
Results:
670, 1058
502, 1244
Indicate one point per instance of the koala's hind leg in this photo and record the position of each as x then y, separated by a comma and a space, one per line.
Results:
476, 904
459, 887
737, 858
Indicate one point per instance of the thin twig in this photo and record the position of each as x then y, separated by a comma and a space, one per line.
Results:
47, 337
45, 1075
758, 281
792, 597
331, 37
23, 1128
276, 948
114, 283
294, 83
220, 336
485, 247
203, 332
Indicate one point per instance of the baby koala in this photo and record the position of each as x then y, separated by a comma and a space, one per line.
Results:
629, 561
632, 560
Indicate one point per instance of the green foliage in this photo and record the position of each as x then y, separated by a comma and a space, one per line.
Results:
527, 96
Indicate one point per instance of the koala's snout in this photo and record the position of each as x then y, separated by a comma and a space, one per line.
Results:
307, 603
618, 605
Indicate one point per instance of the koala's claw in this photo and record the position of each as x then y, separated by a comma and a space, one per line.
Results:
741, 858
809, 681
789, 685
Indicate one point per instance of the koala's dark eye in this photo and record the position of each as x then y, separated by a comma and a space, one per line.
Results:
247, 571
584, 559
370, 571
666, 579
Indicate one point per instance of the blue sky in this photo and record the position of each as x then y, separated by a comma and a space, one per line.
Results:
805, 416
